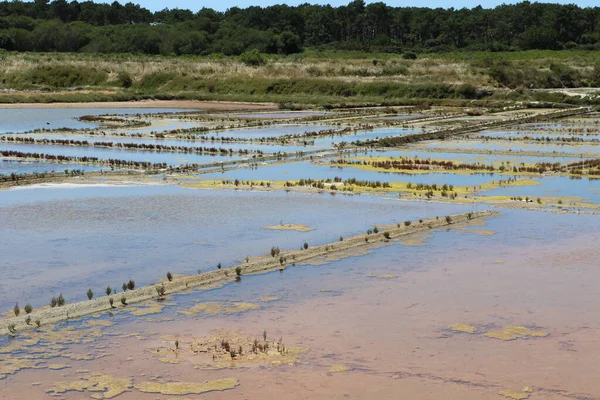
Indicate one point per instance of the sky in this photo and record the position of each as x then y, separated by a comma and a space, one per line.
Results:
222, 5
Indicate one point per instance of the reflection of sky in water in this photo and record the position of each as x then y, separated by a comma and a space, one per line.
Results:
7, 167
111, 234
26, 119
121, 154
575, 149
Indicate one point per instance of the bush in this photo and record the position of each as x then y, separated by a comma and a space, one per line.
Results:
108, 290
28, 308
169, 276
60, 300
253, 58
407, 223
386, 235
448, 219
17, 310
124, 286
90, 294
123, 300
238, 271
305, 245
125, 79
53, 302
409, 55
375, 230
131, 284
219, 266
160, 290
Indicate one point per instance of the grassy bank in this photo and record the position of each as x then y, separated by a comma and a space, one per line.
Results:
311, 78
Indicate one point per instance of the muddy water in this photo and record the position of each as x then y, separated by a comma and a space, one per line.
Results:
536, 271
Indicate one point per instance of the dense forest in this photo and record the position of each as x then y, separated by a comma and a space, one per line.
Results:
116, 28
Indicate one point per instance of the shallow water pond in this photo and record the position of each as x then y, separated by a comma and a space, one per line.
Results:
27, 119
8, 167
109, 234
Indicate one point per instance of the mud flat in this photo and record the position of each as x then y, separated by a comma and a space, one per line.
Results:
212, 279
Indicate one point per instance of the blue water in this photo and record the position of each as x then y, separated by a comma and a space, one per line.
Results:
26, 119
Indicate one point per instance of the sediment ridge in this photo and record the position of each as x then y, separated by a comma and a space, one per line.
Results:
261, 264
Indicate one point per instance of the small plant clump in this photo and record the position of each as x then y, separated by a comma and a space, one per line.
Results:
219, 266
111, 301
160, 290
60, 300
375, 230
108, 290
305, 245
124, 287
53, 302
341, 238
28, 320
90, 294
448, 219
17, 310
386, 235
123, 300
238, 271
28, 308
274, 251
407, 223
170, 276
131, 284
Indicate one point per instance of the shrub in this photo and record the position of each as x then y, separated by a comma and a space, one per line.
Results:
305, 245
53, 302
90, 294
341, 238
108, 290
38, 323
28, 308
169, 276
448, 219
253, 58
375, 230
111, 302
238, 271
124, 287
125, 79
409, 55
123, 300
386, 235
28, 320
131, 284
60, 300
17, 310
407, 223
160, 290
219, 266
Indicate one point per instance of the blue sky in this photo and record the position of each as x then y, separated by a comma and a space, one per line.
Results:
222, 5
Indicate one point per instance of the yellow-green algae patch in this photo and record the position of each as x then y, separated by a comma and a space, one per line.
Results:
175, 388
466, 328
268, 299
147, 308
107, 385
12, 365
515, 332
214, 308
58, 366
339, 368
290, 227
382, 276
513, 394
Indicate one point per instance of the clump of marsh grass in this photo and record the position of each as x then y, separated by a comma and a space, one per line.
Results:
160, 290
53, 302
90, 294
123, 300
386, 235
219, 266
61, 300
28, 308
17, 310
108, 290
238, 271
131, 284
170, 276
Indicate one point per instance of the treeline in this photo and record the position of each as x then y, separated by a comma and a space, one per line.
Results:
116, 28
